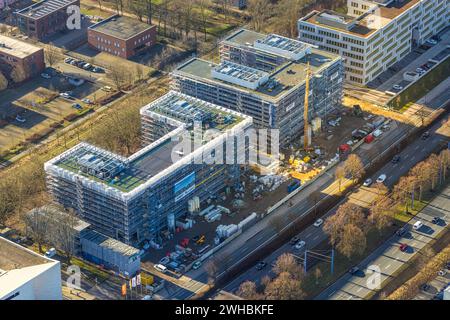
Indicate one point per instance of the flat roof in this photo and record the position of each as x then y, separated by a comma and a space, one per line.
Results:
16, 48
244, 37
367, 23
14, 256
45, 7
289, 75
156, 157
121, 27
110, 243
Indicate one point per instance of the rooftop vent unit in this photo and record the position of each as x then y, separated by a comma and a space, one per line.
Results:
285, 47
243, 76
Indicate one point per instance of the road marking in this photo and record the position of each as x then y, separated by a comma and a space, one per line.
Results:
417, 147
388, 266
307, 236
315, 237
359, 289
405, 156
331, 293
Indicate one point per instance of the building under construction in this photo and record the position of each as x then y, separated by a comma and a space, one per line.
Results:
264, 76
143, 196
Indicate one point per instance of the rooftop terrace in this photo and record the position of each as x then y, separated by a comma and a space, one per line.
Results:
16, 48
280, 81
151, 162
44, 8
121, 27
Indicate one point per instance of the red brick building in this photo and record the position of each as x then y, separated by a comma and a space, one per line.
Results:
18, 54
121, 36
44, 18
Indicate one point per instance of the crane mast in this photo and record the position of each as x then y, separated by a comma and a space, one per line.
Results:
305, 111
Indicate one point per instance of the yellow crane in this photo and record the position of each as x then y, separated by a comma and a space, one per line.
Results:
305, 111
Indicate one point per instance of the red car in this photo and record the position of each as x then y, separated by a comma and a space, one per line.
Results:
403, 247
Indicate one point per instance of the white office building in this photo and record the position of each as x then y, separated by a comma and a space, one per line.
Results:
374, 34
26, 275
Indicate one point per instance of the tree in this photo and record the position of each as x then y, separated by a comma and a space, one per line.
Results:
403, 189
52, 54
64, 232
286, 263
433, 162
38, 225
444, 160
353, 241
260, 10
3, 82
120, 76
247, 291
284, 287
277, 222
420, 172
340, 175
381, 210
354, 167
286, 16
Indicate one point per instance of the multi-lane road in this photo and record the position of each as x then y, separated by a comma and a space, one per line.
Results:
313, 236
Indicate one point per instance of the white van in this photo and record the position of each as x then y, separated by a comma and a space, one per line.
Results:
50, 253
417, 225
160, 268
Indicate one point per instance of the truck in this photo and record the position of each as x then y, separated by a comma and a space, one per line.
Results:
293, 185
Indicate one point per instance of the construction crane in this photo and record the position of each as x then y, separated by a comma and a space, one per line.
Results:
305, 111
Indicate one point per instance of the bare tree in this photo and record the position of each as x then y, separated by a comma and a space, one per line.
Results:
38, 225
247, 290
64, 233
260, 10
354, 167
52, 55
353, 241
340, 175
286, 263
284, 287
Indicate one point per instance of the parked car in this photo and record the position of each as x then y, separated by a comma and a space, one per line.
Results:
318, 223
431, 42
261, 265
86, 100
45, 75
160, 268
367, 182
97, 70
417, 225
107, 88
436, 220
65, 95
397, 87
50, 252
401, 232
86, 66
164, 260
425, 287
300, 245
403, 247
381, 178
442, 272
77, 106
196, 265
68, 60
353, 270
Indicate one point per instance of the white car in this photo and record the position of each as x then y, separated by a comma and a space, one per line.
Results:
381, 178
160, 268
397, 87
50, 253
377, 133
431, 42
417, 225
420, 71
45, 75
300, 245
87, 101
318, 223
64, 95
367, 182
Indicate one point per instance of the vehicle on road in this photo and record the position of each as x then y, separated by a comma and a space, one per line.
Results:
86, 100
294, 240
367, 182
77, 106
353, 270
318, 223
381, 178
293, 185
261, 265
20, 119
431, 42
396, 159
45, 75
397, 87
300, 245
425, 135
196, 265
417, 225
403, 247
50, 252
425, 287
160, 268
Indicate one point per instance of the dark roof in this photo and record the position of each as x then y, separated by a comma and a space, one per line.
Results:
46, 7
121, 27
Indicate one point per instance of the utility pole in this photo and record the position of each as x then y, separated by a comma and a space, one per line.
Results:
305, 111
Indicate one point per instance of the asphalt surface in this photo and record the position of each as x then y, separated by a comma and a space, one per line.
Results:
388, 258
313, 236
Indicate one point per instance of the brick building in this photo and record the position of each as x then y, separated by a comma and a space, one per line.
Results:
44, 18
15, 53
121, 36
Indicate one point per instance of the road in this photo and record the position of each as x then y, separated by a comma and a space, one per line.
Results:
263, 231
313, 236
388, 258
